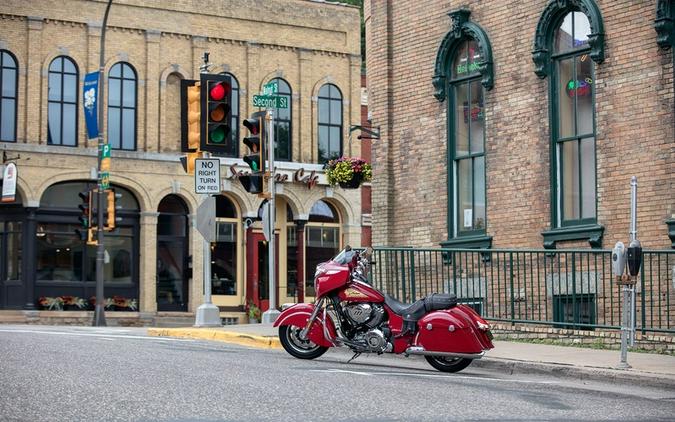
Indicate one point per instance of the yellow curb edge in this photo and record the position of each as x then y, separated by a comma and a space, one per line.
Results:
242, 339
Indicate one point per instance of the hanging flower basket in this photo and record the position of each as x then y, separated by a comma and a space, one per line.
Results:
349, 173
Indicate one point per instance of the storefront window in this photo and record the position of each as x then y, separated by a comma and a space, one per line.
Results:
59, 253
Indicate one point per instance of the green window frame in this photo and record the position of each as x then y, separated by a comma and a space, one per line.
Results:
466, 124
569, 42
283, 124
463, 73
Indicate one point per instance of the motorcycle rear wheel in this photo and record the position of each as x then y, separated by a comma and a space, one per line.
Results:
444, 364
289, 336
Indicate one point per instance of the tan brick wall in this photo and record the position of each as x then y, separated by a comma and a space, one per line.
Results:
634, 117
308, 43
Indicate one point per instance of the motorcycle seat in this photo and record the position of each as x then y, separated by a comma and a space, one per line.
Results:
413, 312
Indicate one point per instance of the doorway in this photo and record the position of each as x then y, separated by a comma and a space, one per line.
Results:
257, 283
172, 255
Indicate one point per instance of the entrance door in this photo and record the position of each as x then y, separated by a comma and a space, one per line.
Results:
171, 285
172, 255
257, 283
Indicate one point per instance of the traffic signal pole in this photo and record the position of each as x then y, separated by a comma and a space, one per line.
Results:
99, 309
271, 314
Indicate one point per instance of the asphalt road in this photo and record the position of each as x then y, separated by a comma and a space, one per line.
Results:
113, 374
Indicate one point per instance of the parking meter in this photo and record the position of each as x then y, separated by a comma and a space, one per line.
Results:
634, 257
618, 259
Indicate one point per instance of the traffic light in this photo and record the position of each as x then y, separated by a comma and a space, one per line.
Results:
216, 120
254, 182
190, 111
110, 218
85, 209
87, 218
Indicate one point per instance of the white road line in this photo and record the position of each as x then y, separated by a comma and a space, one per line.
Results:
108, 335
410, 374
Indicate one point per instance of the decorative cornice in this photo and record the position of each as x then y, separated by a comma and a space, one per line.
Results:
664, 24
554, 12
462, 29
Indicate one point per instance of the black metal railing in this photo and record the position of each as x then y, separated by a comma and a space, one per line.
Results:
563, 288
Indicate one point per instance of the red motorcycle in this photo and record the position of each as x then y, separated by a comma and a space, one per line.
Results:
348, 312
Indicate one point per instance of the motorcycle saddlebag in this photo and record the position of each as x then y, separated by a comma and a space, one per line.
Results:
436, 301
449, 331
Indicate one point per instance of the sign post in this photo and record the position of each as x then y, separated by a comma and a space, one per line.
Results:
270, 315
208, 314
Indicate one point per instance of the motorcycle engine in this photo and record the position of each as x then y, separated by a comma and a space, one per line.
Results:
365, 319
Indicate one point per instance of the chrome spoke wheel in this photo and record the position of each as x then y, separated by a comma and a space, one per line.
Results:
289, 336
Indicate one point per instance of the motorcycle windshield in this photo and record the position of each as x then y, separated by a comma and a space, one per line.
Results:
344, 257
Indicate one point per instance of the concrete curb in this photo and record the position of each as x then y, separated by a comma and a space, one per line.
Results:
242, 339
582, 373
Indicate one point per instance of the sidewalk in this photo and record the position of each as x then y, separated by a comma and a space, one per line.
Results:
507, 356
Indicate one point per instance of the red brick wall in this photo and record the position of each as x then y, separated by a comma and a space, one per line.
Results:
634, 117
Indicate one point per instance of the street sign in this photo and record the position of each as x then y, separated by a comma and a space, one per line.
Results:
265, 221
105, 157
105, 180
270, 101
207, 175
271, 88
206, 219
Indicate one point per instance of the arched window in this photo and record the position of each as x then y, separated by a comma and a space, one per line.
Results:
464, 73
569, 43
283, 130
232, 148
62, 99
9, 81
224, 249
322, 239
122, 83
330, 123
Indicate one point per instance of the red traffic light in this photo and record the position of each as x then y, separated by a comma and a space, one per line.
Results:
219, 90
253, 125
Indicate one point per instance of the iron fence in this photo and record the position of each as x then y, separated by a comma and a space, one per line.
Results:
563, 288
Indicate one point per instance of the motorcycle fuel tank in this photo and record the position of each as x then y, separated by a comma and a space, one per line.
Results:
360, 292
330, 276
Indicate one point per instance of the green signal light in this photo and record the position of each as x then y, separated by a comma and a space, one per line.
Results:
217, 135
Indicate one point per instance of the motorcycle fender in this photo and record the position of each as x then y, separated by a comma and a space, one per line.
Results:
299, 314
448, 331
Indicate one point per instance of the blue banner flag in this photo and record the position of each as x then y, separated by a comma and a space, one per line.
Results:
90, 93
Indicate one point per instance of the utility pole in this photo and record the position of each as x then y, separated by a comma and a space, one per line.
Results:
99, 310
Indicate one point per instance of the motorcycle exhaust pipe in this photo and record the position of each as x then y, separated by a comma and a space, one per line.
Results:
418, 350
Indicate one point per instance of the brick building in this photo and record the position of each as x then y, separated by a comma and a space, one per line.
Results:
155, 259
518, 124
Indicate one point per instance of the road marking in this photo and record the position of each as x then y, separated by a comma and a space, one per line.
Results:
411, 374
108, 335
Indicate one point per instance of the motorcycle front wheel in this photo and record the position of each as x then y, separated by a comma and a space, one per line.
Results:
444, 364
289, 336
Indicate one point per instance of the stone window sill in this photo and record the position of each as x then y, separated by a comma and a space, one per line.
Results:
591, 232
